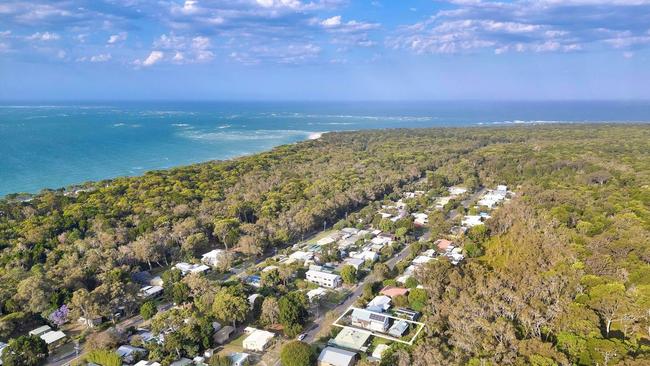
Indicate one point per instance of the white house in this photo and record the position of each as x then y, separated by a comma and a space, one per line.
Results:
147, 363
301, 256
149, 292
214, 258
316, 294
324, 279
379, 304
420, 260
366, 255
332, 356
421, 219
457, 191
472, 220
257, 340
187, 268
355, 262
370, 320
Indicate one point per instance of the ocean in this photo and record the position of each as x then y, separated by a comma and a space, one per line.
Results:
51, 145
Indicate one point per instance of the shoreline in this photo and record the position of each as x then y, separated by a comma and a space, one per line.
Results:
76, 188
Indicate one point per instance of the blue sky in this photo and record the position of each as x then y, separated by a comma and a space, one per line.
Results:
324, 49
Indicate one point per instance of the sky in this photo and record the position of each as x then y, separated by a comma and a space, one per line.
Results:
324, 49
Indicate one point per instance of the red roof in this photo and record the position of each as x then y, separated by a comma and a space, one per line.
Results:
392, 291
443, 244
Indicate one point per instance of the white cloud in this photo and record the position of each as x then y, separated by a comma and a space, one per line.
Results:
153, 58
102, 57
45, 36
528, 26
116, 38
331, 22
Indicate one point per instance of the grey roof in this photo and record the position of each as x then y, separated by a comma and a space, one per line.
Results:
398, 328
336, 356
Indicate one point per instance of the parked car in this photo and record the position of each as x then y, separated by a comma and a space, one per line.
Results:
302, 336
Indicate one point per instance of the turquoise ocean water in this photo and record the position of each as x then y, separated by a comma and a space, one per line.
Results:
50, 145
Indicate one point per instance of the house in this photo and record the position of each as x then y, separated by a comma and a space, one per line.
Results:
90, 322
379, 304
399, 328
270, 268
369, 320
254, 280
150, 292
350, 230
431, 253
147, 363
351, 339
355, 262
223, 334
324, 279
182, 362
187, 268
332, 356
443, 245
381, 240
238, 358
54, 338
472, 220
378, 352
144, 335
442, 202
407, 313
257, 340
129, 354
40, 330
365, 255
393, 291
421, 219
420, 260
301, 256
214, 258
316, 294
326, 240
457, 191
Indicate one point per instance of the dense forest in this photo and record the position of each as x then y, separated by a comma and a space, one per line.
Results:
561, 275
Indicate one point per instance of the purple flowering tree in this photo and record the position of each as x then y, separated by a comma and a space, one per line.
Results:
60, 315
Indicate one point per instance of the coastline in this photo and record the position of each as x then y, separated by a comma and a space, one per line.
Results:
72, 188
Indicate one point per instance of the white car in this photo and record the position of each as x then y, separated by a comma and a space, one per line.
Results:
302, 336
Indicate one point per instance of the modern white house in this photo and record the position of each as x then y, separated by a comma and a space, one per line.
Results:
213, 258
457, 191
370, 320
324, 279
257, 339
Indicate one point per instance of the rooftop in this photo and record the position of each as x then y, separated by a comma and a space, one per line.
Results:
351, 339
336, 356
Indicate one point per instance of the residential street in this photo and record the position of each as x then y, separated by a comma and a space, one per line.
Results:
354, 295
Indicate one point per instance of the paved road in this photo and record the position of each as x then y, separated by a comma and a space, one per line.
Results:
354, 295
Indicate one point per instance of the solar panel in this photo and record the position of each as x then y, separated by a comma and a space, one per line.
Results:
377, 317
